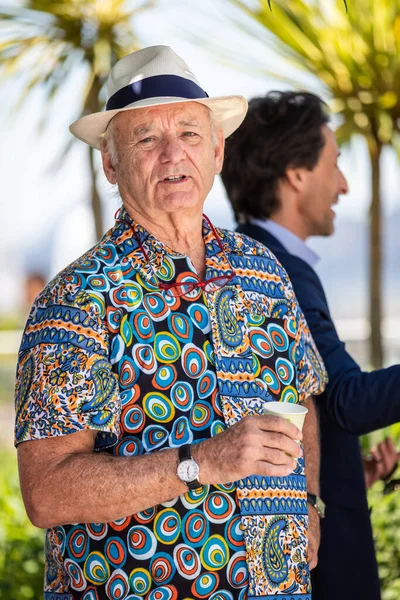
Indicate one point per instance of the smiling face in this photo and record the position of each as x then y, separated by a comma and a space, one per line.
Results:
321, 189
166, 158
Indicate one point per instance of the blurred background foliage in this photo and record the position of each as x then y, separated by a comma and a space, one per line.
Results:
21, 544
357, 58
355, 54
49, 40
385, 516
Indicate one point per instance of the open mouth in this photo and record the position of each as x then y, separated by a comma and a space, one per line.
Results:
174, 178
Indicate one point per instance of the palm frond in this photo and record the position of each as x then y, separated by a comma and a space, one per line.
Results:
42, 36
344, 2
356, 57
45, 41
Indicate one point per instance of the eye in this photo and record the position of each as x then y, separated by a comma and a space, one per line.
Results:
190, 134
146, 140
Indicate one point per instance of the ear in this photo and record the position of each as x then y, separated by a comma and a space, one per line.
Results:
297, 178
219, 151
108, 167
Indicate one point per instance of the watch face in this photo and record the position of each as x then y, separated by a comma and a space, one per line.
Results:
188, 470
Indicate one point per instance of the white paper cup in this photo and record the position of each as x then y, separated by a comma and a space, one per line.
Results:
295, 413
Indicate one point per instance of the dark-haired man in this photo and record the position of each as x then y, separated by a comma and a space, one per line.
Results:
282, 178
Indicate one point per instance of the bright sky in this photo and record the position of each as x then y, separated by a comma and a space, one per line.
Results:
46, 220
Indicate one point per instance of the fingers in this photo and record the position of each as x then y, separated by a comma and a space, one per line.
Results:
381, 462
385, 457
278, 424
389, 455
313, 558
372, 470
388, 445
259, 445
275, 456
279, 441
377, 465
267, 469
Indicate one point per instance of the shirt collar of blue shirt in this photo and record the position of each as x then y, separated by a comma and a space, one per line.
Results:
291, 242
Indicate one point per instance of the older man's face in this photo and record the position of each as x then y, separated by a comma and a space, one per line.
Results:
166, 158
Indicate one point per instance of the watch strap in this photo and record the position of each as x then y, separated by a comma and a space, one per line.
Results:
317, 503
311, 499
193, 485
185, 454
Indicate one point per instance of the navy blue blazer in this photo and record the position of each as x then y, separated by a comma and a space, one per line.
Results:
354, 403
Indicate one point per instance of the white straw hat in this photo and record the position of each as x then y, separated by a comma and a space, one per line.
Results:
151, 77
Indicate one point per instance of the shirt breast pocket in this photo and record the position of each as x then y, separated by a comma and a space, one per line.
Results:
272, 345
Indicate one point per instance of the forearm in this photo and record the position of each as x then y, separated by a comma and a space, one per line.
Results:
311, 444
64, 481
312, 461
363, 402
356, 401
100, 488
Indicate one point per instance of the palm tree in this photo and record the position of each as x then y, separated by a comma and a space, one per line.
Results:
47, 41
356, 56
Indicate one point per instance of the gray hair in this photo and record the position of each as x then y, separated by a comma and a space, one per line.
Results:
108, 142
214, 128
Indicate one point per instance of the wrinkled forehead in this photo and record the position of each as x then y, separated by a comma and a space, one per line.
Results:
179, 113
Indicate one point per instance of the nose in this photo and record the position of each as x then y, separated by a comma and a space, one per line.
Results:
343, 185
172, 150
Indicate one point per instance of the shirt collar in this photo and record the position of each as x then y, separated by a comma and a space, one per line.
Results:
129, 246
216, 258
292, 243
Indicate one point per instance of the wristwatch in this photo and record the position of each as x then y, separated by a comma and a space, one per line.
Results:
188, 469
317, 503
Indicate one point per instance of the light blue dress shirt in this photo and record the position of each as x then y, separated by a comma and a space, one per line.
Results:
292, 243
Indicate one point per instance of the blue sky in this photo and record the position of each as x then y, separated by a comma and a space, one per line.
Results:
46, 221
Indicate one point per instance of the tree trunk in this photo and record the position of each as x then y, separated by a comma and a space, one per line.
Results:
92, 105
95, 198
375, 307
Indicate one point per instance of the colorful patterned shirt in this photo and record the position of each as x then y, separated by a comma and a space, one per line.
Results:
105, 349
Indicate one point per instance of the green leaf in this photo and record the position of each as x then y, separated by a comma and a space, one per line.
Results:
46, 41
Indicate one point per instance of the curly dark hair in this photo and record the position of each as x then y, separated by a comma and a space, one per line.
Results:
281, 130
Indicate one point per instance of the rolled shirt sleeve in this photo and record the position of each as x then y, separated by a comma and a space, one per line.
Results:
65, 381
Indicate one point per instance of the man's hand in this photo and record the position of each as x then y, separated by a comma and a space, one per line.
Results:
256, 445
314, 536
381, 462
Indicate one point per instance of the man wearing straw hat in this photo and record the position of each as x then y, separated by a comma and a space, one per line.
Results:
145, 367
